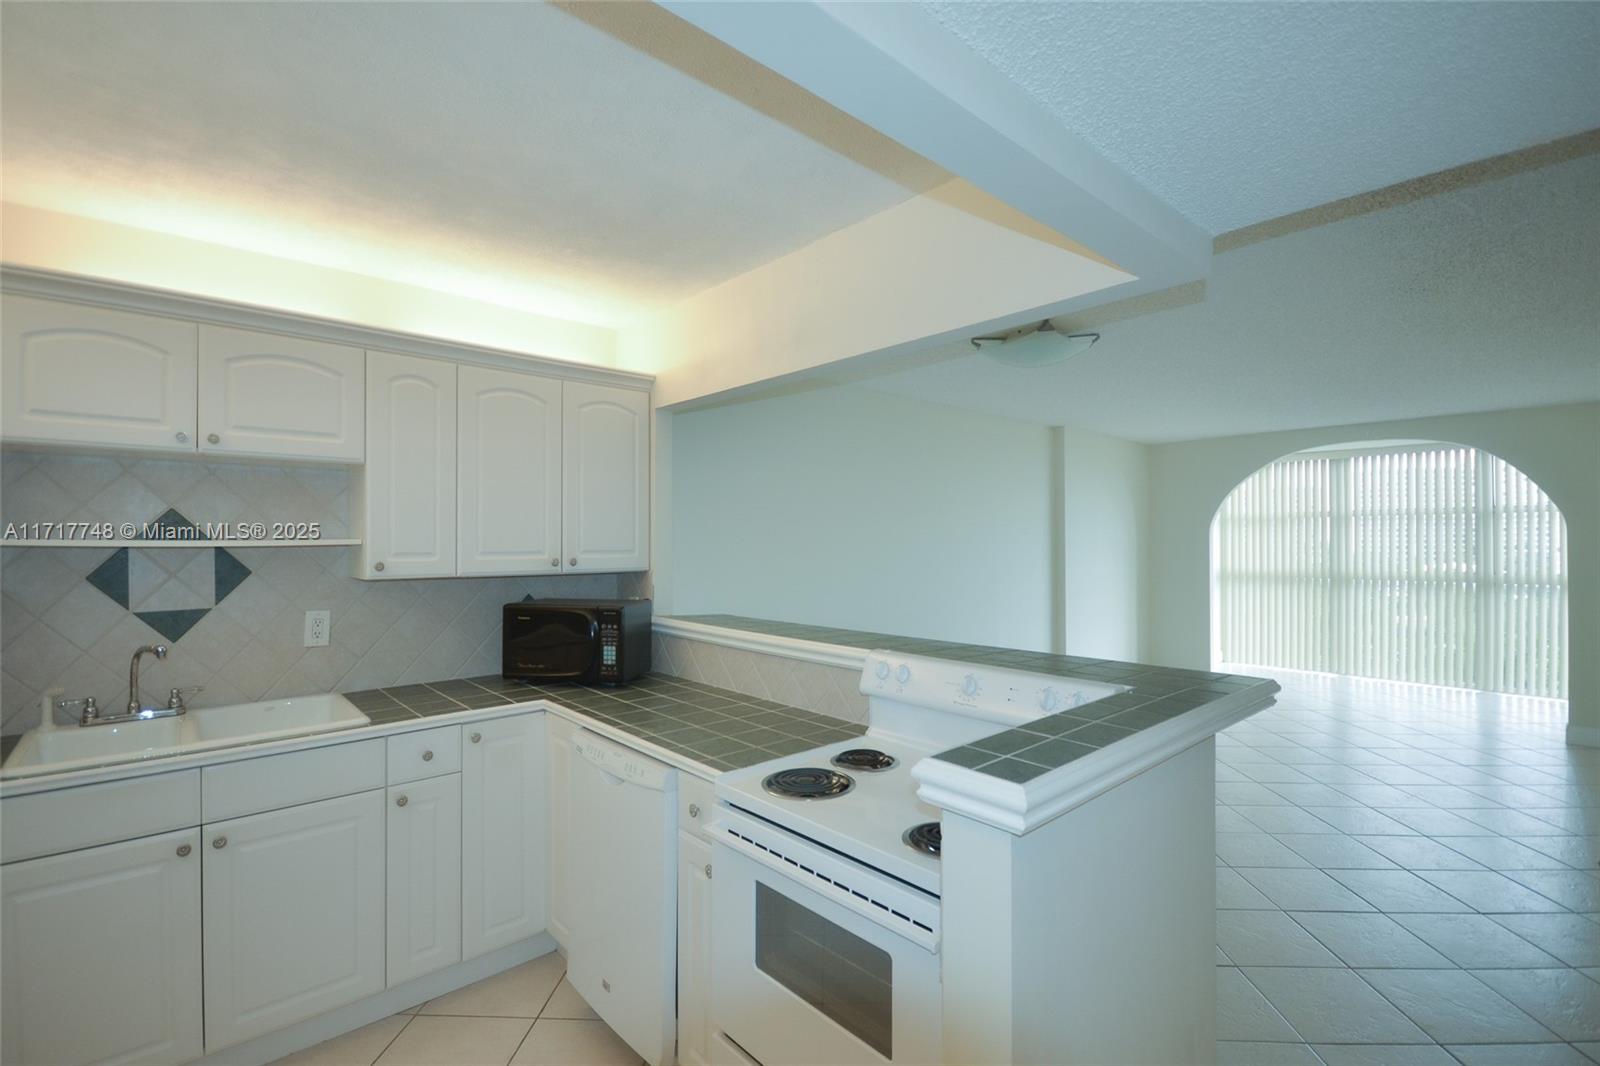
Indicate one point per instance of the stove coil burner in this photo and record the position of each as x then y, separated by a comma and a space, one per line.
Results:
869, 759
808, 782
925, 837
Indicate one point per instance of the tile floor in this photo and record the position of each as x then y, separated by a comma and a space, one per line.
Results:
527, 1016
1406, 875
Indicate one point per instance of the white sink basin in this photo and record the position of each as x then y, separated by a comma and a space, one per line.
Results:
303, 714
74, 747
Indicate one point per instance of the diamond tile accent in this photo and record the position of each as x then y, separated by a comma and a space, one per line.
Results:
111, 577
250, 647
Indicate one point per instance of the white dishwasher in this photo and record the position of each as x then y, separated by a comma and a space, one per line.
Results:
622, 941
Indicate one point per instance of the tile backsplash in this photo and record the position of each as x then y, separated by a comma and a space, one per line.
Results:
830, 690
234, 618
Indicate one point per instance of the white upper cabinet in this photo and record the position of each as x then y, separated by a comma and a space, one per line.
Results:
606, 478
89, 376
509, 513
263, 394
407, 491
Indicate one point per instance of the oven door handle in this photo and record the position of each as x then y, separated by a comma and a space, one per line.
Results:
840, 882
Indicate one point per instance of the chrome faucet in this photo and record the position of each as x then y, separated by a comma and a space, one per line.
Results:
160, 652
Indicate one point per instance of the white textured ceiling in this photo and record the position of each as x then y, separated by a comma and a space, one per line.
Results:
1238, 112
1482, 298
508, 152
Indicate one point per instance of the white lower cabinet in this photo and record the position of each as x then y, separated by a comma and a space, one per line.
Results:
503, 889
694, 950
102, 954
177, 945
293, 914
558, 736
424, 883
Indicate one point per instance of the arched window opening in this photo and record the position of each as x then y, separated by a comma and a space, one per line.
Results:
1422, 562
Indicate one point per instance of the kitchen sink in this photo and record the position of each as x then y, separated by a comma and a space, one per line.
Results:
73, 746
303, 714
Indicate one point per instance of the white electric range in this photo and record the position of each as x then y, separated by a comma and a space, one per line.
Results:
826, 943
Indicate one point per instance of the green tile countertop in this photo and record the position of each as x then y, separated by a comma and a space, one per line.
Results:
1156, 694
717, 728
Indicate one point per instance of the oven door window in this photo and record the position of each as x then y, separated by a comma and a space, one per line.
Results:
553, 643
832, 969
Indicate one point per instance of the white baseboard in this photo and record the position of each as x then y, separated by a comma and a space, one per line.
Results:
273, 1046
1586, 736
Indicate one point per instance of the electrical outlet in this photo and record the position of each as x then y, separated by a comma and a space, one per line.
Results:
318, 625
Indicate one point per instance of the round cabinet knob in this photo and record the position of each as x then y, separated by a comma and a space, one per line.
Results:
555, 562
212, 438
377, 566
183, 438
477, 737
694, 810
708, 871
220, 843
401, 802
903, 674
1049, 700
969, 685
572, 561
882, 671
427, 756
183, 851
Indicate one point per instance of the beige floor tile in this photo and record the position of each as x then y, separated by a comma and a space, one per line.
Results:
358, 1048
572, 1042
566, 1003
520, 992
435, 1041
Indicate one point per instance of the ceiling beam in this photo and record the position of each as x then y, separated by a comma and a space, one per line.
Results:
893, 67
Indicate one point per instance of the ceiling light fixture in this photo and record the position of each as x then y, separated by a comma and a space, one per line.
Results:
1034, 346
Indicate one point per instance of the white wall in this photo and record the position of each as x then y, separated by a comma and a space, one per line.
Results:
71, 244
1102, 503
1558, 447
852, 508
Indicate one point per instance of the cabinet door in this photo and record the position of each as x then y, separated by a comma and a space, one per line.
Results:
694, 950
558, 733
293, 905
102, 954
509, 519
408, 486
502, 833
605, 511
84, 375
424, 858
265, 394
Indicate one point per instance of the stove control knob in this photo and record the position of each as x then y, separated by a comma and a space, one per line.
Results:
969, 685
903, 674
1049, 700
882, 671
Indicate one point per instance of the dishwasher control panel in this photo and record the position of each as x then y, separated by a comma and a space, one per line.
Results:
621, 762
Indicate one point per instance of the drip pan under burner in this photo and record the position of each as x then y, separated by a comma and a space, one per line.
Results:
869, 759
926, 837
808, 782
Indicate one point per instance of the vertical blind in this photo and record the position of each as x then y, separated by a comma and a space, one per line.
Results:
1435, 564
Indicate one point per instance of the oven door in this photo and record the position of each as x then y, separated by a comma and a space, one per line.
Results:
800, 978
550, 643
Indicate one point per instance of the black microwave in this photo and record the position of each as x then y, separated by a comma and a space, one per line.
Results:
604, 642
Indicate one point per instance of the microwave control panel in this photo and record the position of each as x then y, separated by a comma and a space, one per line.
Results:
610, 639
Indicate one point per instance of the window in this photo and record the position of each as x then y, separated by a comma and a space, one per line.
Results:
1437, 564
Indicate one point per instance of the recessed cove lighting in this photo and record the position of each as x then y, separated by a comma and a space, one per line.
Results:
1041, 345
